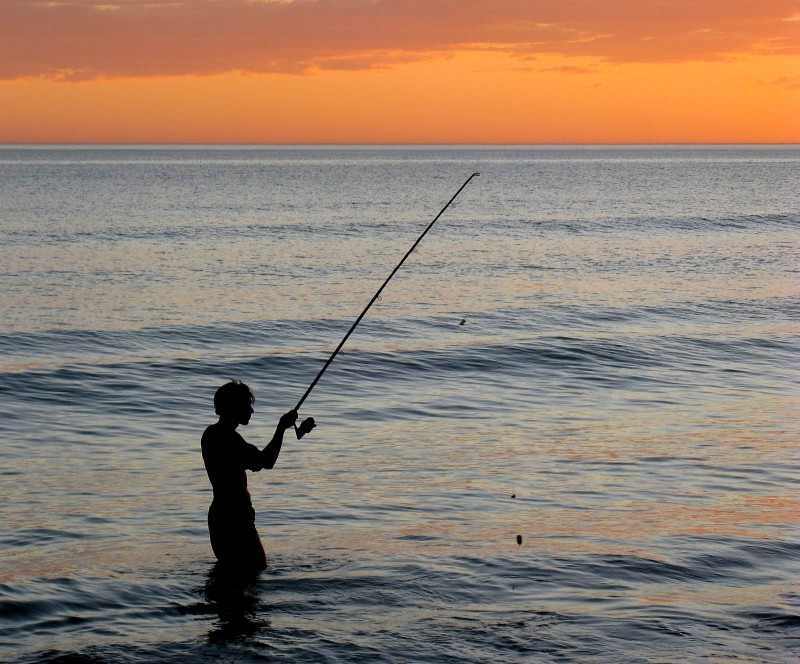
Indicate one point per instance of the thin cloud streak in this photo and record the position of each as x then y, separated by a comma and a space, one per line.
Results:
85, 39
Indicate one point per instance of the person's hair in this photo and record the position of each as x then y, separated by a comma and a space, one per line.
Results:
231, 396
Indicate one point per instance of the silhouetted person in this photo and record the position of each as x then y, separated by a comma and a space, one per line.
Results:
231, 518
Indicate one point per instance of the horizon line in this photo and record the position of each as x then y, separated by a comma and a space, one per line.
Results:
89, 144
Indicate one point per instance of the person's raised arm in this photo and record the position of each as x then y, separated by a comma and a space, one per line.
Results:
269, 455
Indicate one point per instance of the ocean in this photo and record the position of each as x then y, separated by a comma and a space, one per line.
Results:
599, 465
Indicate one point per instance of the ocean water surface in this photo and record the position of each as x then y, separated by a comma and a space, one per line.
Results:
623, 395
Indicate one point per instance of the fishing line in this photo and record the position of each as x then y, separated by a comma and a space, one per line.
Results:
308, 424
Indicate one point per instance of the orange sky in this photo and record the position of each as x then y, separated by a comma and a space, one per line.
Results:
400, 71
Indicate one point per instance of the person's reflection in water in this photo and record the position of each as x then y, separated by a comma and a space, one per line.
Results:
234, 598
231, 518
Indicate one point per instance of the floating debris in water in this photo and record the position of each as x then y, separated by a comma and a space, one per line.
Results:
463, 320
519, 539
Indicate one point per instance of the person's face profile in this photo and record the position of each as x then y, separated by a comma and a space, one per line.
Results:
243, 413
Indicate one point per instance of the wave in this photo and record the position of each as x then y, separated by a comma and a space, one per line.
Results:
301, 334
139, 384
341, 224
576, 606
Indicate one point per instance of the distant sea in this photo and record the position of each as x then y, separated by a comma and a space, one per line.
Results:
622, 395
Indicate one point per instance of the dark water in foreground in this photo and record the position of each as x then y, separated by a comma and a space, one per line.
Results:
627, 371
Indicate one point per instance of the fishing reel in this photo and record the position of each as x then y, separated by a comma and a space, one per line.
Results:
305, 427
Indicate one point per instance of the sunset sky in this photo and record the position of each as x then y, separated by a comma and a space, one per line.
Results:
399, 71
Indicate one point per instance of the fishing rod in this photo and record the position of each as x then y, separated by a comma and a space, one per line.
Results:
308, 423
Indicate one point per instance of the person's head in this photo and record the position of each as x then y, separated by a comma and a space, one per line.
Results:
234, 400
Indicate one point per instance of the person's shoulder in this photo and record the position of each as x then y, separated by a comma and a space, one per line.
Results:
212, 434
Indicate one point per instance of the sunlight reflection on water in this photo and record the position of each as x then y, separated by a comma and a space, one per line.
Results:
625, 371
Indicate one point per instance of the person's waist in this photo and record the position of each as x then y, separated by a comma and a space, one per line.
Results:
233, 499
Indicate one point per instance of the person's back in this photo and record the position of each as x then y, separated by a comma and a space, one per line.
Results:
225, 455
231, 518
